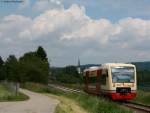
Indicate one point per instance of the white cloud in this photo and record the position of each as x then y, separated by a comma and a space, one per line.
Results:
74, 24
12, 25
72, 27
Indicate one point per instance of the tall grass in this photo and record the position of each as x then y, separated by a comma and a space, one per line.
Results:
36, 87
142, 97
61, 108
96, 104
7, 95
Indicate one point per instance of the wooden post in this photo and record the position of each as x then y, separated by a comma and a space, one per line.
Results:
17, 85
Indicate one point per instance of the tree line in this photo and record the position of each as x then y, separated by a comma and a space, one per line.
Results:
31, 67
143, 77
34, 67
68, 74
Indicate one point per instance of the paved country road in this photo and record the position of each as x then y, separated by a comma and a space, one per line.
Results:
38, 103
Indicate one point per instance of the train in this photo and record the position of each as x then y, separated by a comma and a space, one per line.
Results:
117, 81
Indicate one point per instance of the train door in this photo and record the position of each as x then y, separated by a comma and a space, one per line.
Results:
103, 80
98, 85
86, 80
91, 85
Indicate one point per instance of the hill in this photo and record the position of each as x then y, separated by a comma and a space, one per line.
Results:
142, 65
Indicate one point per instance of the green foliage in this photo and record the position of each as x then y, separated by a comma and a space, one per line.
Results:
68, 74
70, 70
33, 68
60, 109
2, 73
2, 69
36, 87
12, 69
1, 61
142, 97
143, 76
41, 53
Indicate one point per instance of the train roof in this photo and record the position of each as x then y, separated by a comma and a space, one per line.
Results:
92, 68
107, 65
117, 64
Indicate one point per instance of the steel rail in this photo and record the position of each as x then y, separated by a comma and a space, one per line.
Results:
137, 106
65, 88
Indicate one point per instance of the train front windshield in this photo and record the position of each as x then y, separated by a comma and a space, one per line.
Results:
122, 74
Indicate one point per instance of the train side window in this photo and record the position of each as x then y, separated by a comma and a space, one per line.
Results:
92, 80
103, 78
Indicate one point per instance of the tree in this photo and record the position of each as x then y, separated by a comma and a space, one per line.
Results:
1, 61
2, 71
12, 69
34, 68
41, 53
69, 74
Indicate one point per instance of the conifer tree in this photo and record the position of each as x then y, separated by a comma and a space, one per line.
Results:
41, 53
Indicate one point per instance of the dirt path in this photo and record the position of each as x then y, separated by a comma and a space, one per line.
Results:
37, 103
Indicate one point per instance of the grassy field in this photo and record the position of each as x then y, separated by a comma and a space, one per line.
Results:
6, 95
142, 97
67, 105
82, 102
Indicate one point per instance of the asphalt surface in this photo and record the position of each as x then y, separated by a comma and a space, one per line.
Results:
38, 103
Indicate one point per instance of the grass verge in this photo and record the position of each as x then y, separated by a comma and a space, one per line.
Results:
142, 97
67, 105
90, 104
6, 95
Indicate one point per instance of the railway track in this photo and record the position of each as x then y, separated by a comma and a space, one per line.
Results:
131, 105
137, 106
65, 89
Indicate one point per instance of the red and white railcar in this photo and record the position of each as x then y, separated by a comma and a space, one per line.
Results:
116, 80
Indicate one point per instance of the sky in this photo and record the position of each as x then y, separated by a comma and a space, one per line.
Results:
96, 31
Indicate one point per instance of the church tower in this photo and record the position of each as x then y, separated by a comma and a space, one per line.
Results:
78, 67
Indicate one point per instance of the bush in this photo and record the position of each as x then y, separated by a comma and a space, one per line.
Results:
36, 87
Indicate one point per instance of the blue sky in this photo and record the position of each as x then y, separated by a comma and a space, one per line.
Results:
115, 9
111, 9
98, 31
